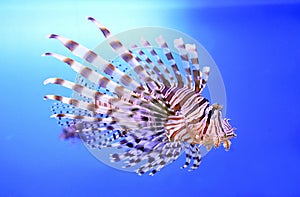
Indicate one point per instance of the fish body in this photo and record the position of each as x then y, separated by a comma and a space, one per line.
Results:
153, 110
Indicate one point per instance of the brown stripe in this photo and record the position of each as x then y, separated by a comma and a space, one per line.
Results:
177, 107
148, 60
68, 61
159, 61
174, 118
169, 56
71, 45
138, 69
85, 72
105, 32
196, 74
116, 44
126, 80
204, 100
79, 117
139, 89
167, 71
172, 125
127, 57
175, 133
97, 95
165, 81
164, 45
170, 95
58, 98
91, 107
156, 70
152, 52
103, 82
197, 120
197, 105
188, 71
77, 88
59, 81
207, 123
90, 56
184, 57
195, 60
164, 91
109, 69
119, 91
186, 97
74, 102
180, 95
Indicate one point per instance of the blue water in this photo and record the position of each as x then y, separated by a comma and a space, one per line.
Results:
256, 48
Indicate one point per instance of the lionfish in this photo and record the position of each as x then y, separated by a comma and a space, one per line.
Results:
153, 117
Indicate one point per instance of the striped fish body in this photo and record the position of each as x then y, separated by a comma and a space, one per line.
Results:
193, 119
151, 109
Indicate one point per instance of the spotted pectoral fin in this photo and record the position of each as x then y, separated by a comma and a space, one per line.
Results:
147, 153
101, 137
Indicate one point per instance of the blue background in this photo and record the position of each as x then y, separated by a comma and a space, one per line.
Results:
254, 43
